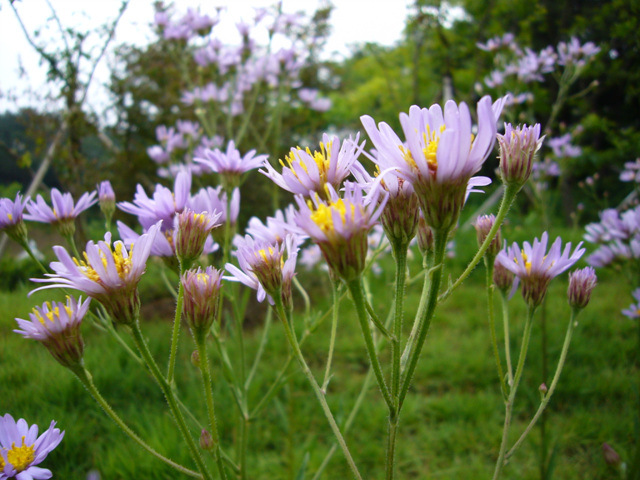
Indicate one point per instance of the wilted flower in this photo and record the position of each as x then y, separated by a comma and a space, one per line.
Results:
201, 292
64, 211
581, 283
57, 326
21, 449
110, 274
306, 173
263, 266
517, 150
535, 267
11, 218
440, 155
340, 226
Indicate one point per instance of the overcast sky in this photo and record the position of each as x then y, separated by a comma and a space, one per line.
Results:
352, 21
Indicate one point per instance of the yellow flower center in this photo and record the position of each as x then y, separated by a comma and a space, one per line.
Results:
122, 263
323, 216
322, 159
263, 253
10, 216
51, 315
21, 457
203, 278
527, 263
1, 461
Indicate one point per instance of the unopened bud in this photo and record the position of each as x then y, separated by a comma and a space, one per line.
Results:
581, 283
543, 389
610, 455
483, 225
502, 278
425, 237
518, 147
206, 440
193, 230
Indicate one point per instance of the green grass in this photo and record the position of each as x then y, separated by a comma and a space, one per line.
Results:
450, 426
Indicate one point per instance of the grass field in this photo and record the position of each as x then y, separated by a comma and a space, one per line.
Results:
452, 420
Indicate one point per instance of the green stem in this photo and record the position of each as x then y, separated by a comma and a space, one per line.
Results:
488, 261
263, 342
400, 255
293, 343
72, 243
424, 322
422, 308
25, 245
512, 394
205, 372
176, 332
141, 344
334, 329
552, 387
508, 198
85, 378
355, 288
507, 338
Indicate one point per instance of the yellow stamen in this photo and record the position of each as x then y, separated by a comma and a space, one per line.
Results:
323, 216
21, 457
10, 216
122, 263
322, 159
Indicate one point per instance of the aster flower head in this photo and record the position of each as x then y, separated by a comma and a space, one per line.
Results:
340, 226
201, 293
535, 268
275, 229
518, 147
215, 200
64, 211
106, 199
109, 273
306, 173
483, 225
57, 326
230, 165
581, 283
265, 267
440, 155
21, 449
633, 311
192, 232
11, 222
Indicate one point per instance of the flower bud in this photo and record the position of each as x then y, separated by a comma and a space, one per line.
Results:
610, 455
106, 199
206, 440
425, 237
502, 278
193, 230
195, 359
543, 389
581, 283
483, 225
517, 149
201, 292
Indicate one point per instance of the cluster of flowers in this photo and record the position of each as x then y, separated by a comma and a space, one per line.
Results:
631, 172
21, 449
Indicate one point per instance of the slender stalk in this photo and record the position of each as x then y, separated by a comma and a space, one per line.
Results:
141, 344
176, 332
422, 308
507, 339
334, 328
508, 198
488, 262
72, 243
552, 387
25, 245
205, 372
85, 378
424, 322
293, 343
258, 357
400, 255
512, 394
355, 288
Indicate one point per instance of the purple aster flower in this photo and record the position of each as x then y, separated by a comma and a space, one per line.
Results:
57, 326
634, 309
163, 205
440, 156
562, 147
230, 164
631, 173
535, 267
340, 226
11, 218
215, 200
201, 292
64, 211
263, 266
602, 257
276, 228
518, 147
110, 274
21, 449
307, 173
581, 283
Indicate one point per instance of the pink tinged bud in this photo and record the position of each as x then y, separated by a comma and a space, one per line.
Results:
543, 388
57, 326
106, 199
483, 225
193, 230
201, 293
206, 440
517, 150
195, 359
610, 455
426, 241
502, 278
581, 283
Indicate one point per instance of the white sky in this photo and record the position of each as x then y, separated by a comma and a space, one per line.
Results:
352, 21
